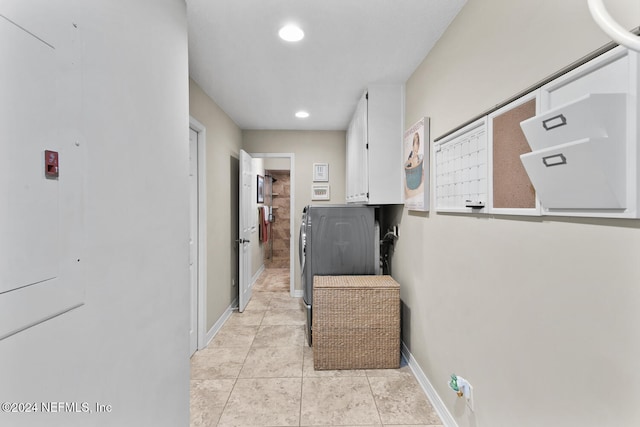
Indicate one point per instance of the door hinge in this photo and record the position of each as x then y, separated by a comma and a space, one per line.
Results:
367, 146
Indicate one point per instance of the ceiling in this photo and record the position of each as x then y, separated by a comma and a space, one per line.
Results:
260, 81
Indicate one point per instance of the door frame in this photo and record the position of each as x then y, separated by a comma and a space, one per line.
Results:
202, 230
292, 258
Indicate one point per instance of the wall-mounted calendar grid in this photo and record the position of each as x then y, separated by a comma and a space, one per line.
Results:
461, 170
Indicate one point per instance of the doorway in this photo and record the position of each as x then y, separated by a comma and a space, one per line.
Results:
278, 248
197, 235
284, 162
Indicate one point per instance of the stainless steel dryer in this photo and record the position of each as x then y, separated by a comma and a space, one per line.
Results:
336, 240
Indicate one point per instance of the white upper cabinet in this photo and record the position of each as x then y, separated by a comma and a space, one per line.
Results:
374, 147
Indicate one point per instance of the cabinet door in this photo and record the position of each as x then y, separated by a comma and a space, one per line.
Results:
385, 133
357, 162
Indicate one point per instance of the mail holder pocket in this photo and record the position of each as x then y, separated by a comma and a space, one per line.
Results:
591, 116
588, 173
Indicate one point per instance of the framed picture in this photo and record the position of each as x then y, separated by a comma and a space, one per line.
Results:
321, 172
260, 189
416, 166
320, 192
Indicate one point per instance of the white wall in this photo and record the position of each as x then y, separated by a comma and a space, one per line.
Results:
128, 346
540, 314
308, 147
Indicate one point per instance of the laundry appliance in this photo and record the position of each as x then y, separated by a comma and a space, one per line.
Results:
336, 240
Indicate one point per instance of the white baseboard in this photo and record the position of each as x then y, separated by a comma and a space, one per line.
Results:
437, 403
216, 327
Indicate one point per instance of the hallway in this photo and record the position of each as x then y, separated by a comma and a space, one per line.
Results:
258, 371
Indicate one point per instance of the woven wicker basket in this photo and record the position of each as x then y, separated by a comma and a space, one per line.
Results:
356, 322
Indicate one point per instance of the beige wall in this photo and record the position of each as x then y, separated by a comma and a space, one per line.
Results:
308, 147
278, 163
223, 141
540, 314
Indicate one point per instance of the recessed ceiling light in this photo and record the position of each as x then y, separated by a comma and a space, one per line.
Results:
291, 33
302, 114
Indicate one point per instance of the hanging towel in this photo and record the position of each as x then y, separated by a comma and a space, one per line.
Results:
263, 216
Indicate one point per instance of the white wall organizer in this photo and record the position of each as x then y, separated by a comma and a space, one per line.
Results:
584, 140
593, 115
461, 169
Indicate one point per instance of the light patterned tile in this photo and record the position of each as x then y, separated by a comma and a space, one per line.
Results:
403, 371
273, 362
263, 402
251, 318
337, 401
258, 302
275, 286
254, 347
400, 400
279, 336
217, 363
208, 398
414, 425
285, 317
284, 301
273, 280
235, 336
309, 371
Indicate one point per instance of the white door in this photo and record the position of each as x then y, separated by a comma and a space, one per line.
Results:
247, 214
193, 239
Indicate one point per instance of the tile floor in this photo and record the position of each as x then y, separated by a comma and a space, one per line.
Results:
258, 371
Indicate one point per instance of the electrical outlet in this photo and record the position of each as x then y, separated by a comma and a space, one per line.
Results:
469, 396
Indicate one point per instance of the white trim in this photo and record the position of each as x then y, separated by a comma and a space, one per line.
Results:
202, 230
292, 206
298, 293
437, 403
292, 240
218, 325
